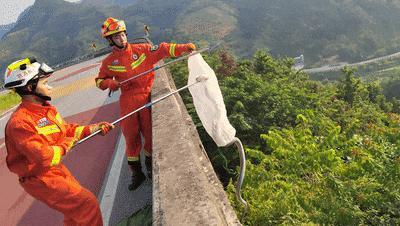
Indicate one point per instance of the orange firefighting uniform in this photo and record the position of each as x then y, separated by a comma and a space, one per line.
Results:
124, 64
36, 138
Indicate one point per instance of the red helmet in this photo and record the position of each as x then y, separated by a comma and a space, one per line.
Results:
112, 26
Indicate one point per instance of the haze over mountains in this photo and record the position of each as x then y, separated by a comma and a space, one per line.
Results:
5, 28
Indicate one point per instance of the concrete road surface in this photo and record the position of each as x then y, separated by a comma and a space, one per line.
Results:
98, 164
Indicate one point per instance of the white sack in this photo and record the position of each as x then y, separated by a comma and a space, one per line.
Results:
208, 101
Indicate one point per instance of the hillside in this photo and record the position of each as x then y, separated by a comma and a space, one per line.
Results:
325, 31
109, 2
5, 28
52, 31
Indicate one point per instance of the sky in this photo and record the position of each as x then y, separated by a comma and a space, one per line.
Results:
11, 9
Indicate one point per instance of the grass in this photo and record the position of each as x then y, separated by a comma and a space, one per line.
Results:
8, 101
142, 217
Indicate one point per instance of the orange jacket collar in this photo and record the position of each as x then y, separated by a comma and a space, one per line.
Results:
121, 52
37, 108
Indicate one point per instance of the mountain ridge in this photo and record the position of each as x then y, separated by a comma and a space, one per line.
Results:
324, 31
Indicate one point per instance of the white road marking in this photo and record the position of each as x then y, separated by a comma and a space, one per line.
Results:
109, 188
11, 110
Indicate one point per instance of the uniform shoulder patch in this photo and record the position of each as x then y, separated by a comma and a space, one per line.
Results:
43, 122
154, 48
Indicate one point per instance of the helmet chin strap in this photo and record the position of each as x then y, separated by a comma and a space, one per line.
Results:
34, 93
41, 96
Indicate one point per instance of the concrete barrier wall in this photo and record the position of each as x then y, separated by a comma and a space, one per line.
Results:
186, 190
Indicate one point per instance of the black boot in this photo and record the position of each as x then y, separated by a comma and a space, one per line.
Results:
149, 166
137, 175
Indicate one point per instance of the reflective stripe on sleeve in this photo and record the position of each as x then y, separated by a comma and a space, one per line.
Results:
139, 61
56, 155
78, 132
59, 119
172, 50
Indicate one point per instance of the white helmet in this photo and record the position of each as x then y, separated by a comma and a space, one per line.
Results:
20, 72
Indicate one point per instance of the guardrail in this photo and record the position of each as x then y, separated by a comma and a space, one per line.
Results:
77, 60
339, 67
93, 55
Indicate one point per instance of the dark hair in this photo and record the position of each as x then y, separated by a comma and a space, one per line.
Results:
23, 90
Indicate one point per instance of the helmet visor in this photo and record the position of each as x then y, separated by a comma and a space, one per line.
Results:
45, 69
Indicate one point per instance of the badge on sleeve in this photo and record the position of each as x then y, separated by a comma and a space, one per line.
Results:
154, 48
43, 122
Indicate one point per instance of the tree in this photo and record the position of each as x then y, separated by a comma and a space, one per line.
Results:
326, 154
348, 85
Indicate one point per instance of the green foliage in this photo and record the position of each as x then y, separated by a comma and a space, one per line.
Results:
141, 217
8, 100
392, 88
317, 154
382, 77
316, 174
348, 86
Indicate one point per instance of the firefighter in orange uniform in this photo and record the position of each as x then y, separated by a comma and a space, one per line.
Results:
125, 61
37, 138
